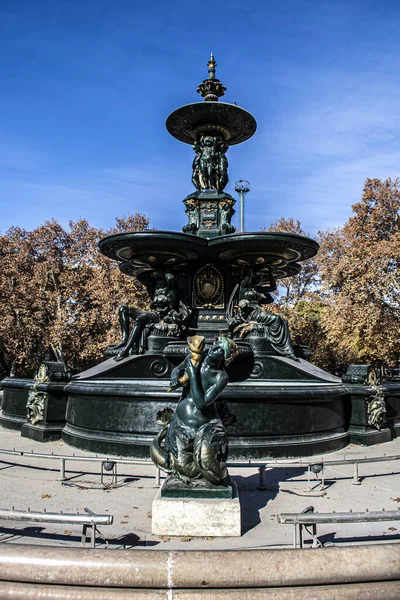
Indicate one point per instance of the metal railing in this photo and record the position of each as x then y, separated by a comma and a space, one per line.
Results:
317, 466
105, 462
308, 518
88, 520
108, 463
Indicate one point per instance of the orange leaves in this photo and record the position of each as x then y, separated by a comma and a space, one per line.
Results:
59, 294
345, 303
360, 268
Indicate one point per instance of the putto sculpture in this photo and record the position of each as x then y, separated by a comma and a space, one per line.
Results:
193, 443
210, 165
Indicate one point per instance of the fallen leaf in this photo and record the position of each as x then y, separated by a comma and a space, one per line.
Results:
186, 539
135, 507
392, 529
149, 516
123, 522
208, 538
140, 487
165, 539
46, 495
67, 532
396, 499
126, 516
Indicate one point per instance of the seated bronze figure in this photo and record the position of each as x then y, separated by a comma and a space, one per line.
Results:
250, 315
167, 313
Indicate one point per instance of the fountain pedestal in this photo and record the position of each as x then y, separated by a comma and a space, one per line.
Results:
197, 512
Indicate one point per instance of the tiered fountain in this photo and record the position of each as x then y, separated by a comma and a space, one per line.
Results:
208, 280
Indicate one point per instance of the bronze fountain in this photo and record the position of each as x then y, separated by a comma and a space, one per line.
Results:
214, 283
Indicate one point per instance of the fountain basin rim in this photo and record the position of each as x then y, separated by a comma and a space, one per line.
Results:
147, 248
210, 242
236, 125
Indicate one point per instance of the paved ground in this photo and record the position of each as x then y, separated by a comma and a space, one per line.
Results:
33, 483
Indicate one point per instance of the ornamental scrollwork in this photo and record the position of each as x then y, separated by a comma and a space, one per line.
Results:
36, 399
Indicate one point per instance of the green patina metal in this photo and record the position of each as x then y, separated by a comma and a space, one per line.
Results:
209, 281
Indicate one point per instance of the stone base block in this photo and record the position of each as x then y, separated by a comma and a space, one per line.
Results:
368, 436
196, 517
42, 432
14, 422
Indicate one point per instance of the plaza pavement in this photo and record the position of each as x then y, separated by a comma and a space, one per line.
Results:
33, 483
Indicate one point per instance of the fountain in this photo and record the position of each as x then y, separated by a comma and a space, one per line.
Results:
207, 281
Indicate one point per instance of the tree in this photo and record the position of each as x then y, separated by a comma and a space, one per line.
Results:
59, 294
299, 299
360, 273
305, 285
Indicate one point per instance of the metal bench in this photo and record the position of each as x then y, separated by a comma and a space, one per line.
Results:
87, 520
305, 519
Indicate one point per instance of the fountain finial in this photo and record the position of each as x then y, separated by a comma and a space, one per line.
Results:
211, 67
211, 88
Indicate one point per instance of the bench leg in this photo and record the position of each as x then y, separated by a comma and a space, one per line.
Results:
93, 536
301, 535
84, 530
316, 542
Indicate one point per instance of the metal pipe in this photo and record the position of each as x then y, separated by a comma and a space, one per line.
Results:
356, 479
353, 517
270, 464
126, 461
62, 469
289, 465
48, 517
13, 452
158, 476
242, 187
241, 212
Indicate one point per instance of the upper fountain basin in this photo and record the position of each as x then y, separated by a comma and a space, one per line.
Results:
234, 123
281, 252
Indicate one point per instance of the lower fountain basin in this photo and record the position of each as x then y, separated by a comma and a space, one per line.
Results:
274, 418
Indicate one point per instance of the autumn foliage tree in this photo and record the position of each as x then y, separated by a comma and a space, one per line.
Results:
59, 294
300, 301
345, 303
360, 271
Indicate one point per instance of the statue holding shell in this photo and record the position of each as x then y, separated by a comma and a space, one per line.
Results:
193, 442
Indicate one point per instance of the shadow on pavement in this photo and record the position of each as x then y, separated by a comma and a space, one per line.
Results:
13, 534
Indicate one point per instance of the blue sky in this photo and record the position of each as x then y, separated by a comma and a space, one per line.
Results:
87, 86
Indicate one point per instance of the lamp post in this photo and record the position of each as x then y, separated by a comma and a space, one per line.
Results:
242, 187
